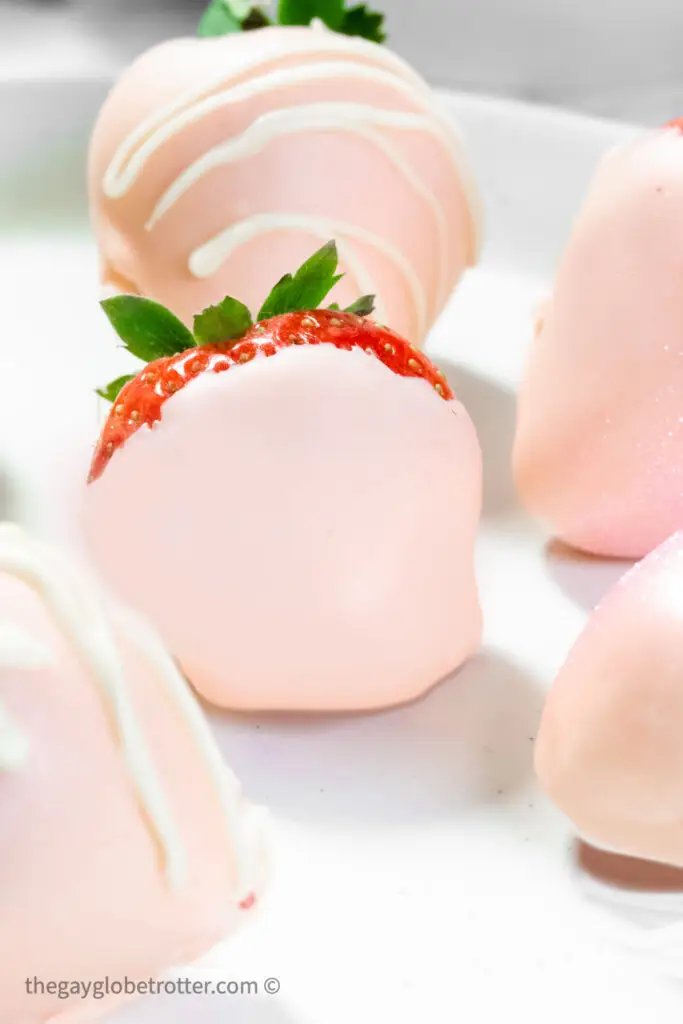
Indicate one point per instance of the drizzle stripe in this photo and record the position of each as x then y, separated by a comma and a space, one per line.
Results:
330, 45
208, 258
355, 119
244, 821
79, 613
130, 158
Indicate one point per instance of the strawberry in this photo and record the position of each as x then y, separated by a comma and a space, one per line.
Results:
225, 337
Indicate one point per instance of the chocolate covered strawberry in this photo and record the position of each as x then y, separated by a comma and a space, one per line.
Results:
292, 501
224, 336
598, 452
213, 160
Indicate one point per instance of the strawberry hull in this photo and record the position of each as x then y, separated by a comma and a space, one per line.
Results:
142, 401
301, 529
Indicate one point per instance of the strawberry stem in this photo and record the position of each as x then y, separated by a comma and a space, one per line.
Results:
150, 331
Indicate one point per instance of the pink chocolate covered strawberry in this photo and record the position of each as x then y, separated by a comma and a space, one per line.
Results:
219, 162
598, 451
300, 528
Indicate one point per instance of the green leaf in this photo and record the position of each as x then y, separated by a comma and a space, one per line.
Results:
229, 319
335, 307
313, 281
360, 21
363, 306
218, 20
302, 12
111, 392
147, 329
354, 21
238, 8
223, 17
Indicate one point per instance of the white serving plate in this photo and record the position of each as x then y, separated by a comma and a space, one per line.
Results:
421, 876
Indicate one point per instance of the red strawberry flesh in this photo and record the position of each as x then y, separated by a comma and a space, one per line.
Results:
141, 400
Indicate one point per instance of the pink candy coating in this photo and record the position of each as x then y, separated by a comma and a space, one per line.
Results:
609, 749
599, 446
399, 199
83, 888
301, 530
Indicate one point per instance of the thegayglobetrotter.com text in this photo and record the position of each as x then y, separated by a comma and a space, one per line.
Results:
103, 988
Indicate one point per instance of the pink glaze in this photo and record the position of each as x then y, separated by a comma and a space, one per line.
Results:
301, 529
599, 446
407, 187
609, 750
83, 891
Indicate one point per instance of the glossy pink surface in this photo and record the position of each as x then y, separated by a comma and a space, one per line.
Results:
609, 750
399, 200
301, 530
83, 892
599, 445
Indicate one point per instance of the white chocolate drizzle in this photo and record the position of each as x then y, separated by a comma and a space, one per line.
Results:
246, 823
356, 119
206, 260
364, 121
332, 45
79, 612
132, 155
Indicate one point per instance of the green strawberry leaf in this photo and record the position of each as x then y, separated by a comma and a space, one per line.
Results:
363, 306
229, 319
147, 329
352, 21
313, 281
302, 12
335, 307
218, 20
360, 21
150, 331
223, 17
111, 392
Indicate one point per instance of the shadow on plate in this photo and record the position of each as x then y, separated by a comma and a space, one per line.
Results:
493, 411
189, 1009
468, 742
640, 904
584, 578
627, 874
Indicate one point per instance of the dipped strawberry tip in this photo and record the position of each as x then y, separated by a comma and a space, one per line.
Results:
224, 17
150, 331
225, 336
